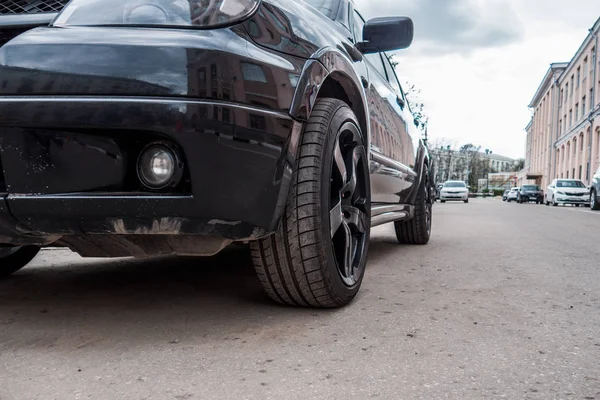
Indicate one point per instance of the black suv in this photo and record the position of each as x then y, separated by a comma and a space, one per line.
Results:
142, 128
530, 193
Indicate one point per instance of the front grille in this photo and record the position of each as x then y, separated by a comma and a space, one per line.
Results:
31, 6
575, 194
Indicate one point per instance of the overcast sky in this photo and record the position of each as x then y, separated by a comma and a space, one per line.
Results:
478, 63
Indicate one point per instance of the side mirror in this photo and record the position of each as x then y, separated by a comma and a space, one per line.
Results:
386, 34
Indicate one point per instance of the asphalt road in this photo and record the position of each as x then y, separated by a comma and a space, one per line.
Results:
504, 303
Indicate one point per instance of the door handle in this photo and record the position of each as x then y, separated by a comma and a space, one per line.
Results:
400, 102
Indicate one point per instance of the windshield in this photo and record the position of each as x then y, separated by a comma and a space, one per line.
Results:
455, 185
531, 188
327, 7
570, 184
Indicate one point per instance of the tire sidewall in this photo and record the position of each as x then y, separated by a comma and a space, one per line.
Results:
340, 117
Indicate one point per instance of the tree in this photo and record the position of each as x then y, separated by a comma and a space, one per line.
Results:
518, 165
474, 166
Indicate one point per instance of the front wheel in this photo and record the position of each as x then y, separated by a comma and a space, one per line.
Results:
594, 203
13, 259
418, 229
318, 255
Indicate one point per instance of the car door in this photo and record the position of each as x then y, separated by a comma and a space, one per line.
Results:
391, 177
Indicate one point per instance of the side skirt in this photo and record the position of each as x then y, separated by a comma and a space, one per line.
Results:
386, 213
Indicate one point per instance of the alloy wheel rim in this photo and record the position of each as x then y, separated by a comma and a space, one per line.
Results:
348, 206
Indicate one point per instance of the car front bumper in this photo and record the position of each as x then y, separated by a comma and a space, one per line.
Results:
454, 197
572, 199
70, 168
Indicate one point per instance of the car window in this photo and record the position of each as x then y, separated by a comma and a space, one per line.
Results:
570, 184
376, 62
359, 25
455, 185
327, 7
392, 77
531, 187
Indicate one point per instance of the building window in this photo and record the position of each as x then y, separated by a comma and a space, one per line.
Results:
566, 92
572, 83
576, 112
585, 67
565, 127
570, 118
560, 127
562, 96
573, 173
567, 174
580, 171
583, 110
581, 141
578, 77
574, 146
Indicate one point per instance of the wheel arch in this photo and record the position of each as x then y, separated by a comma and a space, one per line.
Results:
330, 73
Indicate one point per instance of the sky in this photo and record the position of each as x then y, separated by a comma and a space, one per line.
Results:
478, 63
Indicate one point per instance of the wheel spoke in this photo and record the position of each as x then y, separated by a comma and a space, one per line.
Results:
356, 219
350, 184
348, 251
335, 218
339, 162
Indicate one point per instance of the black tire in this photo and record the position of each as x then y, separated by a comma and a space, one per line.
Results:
466, 201
15, 258
443, 201
308, 261
594, 203
577, 205
418, 229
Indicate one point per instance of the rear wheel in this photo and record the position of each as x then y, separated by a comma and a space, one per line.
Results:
13, 259
418, 229
318, 255
594, 203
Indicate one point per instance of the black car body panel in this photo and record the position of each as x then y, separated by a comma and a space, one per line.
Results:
78, 103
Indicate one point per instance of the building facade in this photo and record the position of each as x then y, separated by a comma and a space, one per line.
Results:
563, 137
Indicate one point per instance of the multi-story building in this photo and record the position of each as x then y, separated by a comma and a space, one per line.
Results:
563, 137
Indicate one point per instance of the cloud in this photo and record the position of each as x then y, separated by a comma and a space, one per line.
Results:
456, 26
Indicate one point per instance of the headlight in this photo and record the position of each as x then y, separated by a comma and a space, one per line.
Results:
157, 13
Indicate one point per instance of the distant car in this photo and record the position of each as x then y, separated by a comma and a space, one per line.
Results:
505, 195
513, 194
595, 192
567, 191
530, 193
454, 191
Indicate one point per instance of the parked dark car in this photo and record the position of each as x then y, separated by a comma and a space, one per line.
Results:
595, 192
143, 128
530, 193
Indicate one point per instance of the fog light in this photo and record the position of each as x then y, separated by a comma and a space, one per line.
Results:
159, 166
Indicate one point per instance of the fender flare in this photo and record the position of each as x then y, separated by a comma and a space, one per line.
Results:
330, 63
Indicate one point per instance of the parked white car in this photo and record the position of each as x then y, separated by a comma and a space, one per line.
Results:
567, 191
454, 191
513, 194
